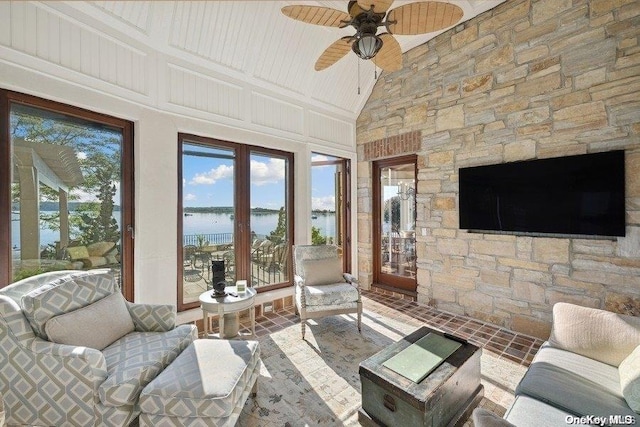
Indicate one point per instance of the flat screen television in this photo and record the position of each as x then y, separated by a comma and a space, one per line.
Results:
574, 195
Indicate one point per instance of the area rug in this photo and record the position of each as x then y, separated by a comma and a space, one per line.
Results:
316, 382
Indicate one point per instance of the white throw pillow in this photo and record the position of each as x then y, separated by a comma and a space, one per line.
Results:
95, 326
598, 334
322, 271
629, 371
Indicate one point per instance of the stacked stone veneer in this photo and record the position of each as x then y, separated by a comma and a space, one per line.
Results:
526, 80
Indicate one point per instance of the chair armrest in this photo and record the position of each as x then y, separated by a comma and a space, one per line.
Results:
71, 357
298, 280
152, 317
350, 278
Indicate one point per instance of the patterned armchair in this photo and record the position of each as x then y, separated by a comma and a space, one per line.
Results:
44, 380
321, 287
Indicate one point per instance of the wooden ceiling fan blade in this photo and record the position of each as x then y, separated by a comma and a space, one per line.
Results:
335, 52
389, 58
354, 8
317, 15
423, 17
379, 6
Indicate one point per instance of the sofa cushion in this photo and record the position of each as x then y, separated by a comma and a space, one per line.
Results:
329, 295
588, 331
100, 249
94, 261
590, 369
77, 252
206, 380
65, 294
629, 371
96, 325
529, 412
136, 359
570, 392
322, 271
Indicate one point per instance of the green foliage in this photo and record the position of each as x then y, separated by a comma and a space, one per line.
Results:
27, 272
392, 213
279, 235
98, 152
202, 240
316, 237
101, 227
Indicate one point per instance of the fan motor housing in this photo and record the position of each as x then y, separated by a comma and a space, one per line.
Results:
367, 22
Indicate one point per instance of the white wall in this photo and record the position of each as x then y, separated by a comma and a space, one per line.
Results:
155, 141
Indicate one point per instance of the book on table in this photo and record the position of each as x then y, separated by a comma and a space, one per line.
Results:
418, 360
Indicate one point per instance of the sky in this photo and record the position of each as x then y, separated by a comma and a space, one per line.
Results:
209, 181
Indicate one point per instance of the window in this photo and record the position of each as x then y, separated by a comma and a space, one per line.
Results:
330, 215
235, 216
68, 190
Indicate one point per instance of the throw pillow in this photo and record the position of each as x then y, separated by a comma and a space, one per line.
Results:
598, 334
77, 252
629, 371
96, 325
64, 294
322, 271
100, 248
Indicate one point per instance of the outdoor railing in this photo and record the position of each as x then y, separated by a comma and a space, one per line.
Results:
212, 239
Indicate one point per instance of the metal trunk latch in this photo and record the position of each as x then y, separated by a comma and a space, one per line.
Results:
389, 403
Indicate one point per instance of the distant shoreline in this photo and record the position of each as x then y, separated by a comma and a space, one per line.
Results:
254, 211
73, 206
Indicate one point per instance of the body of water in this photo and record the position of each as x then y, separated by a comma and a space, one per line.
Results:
197, 223
211, 223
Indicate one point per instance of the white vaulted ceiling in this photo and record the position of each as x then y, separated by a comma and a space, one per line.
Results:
189, 56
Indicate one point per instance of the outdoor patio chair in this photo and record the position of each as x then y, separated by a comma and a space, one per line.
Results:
188, 253
321, 287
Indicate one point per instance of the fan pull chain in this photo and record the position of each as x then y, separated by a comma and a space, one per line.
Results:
358, 76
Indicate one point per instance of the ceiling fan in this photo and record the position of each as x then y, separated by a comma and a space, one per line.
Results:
366, 16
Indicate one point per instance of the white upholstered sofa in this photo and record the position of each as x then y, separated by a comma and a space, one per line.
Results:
74, 352
588, 372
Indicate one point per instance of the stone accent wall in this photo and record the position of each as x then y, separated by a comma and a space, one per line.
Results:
526, 80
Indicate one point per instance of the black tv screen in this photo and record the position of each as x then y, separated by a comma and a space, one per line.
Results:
574, 195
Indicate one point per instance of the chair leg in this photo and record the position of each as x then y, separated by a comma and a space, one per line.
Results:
303, 324
254, 390
360, 317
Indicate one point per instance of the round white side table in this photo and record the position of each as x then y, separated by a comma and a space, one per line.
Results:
227, 308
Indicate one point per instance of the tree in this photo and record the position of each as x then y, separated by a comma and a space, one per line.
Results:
98, 153
280, 233
316, 237
392, 213
100, 226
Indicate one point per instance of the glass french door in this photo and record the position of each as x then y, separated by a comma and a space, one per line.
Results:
394, 219
234, 219
269, 219
207, 217
70, 187
330, 212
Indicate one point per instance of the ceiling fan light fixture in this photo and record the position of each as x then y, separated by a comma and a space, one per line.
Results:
367, 45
